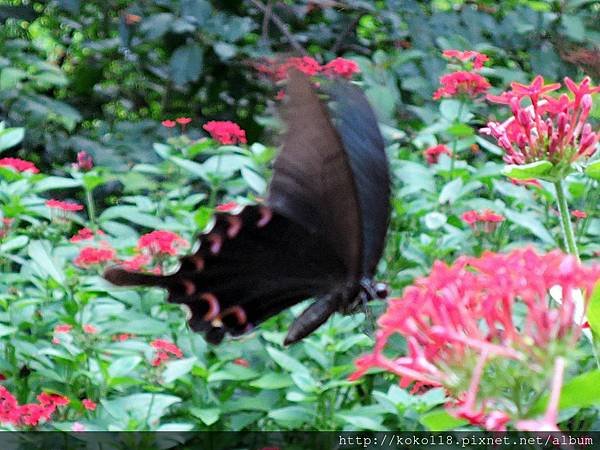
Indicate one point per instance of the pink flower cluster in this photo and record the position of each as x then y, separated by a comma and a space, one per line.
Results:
85, 234
85, 162
90, 256
19, 165
487, 218
225, 132
466, 82
546, 128
462, 333
338, 67
432, 154
63, 206
164, 349
161, 242
29, 414
183, 121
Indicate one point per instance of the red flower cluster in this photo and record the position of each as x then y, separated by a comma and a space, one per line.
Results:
487, 217
89, 256
30, 414
225, 132
20, 165
550, 129
183, 121
462, 333
168, 123
338, 67
88, 404
84, 234
578, 214
64, 206
462, 82
161, 242
63, 328
84, 162
89, 329
5, 225
478, 59
432, 154
227, 207
164, 349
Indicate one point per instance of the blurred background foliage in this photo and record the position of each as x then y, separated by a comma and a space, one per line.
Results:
99, 76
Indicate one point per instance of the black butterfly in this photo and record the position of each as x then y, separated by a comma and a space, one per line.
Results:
320, 234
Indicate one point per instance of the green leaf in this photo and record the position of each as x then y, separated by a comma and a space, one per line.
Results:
593, 311
527, 171
451, 191
9, 137
440, 420
232, 372
207, 415
5, 330
273, 380
285, 361
40, 253
291, 416
178, 368
121, 367
460, 130
14, 244
435, 220
530, 222
254, 180
186, 64
579, 392
593, 170
49, 183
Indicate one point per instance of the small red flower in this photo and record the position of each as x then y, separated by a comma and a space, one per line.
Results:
162, 242
470, 217
466, 56
225, 132
533, 90
137, 263
241, 362
122, 337
20, 165
90, 329
84, 162
167, 346
63, 328
63, 206
461, 83
77, 427
85, 234
159, 359
89, 256
528, 182
490, 216
47, 399
183, 120
132, 19
169, 123
432, 154
579, 214
227, 207
89, 404
342, 67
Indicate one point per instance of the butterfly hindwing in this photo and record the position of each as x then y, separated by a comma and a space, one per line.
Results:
249, 267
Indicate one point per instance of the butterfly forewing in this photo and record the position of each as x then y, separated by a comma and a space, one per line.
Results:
312, 180
357, 127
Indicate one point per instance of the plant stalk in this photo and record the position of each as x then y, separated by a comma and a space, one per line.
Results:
565, 220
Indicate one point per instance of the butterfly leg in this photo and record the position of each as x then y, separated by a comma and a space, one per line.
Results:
313, 317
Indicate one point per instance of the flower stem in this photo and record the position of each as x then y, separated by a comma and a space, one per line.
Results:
565, 220
89, 199
455, 142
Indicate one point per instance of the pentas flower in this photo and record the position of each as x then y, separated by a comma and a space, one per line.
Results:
340, 67
84, 162
469, 56
461, 83
225, 132
77, 427
90, 329
432, 154
169, 123
304, 64
30, 414
5, 225
64, 206
548, 129
227, 207
90, 256
161, 242
63, 328
20, 165
84, 234
241, 362
183, 120
164, 349
88, 404
579, 214
463, 333
122, 337
487, 217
